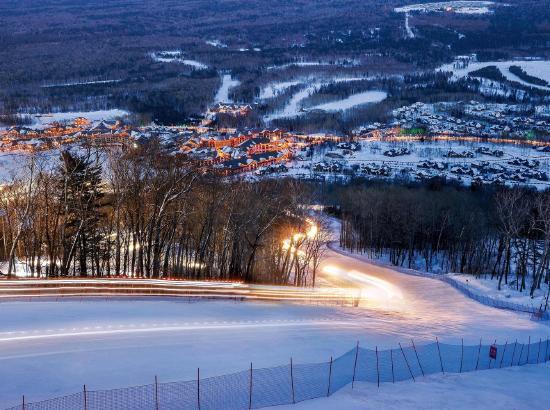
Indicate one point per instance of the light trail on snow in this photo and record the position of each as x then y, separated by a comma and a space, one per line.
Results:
151, 328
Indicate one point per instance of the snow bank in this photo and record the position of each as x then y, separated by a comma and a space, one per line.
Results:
513, 388
353, 101
222, 96
176, 56
535, 68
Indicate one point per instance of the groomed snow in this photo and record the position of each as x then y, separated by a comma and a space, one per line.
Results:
535, 68
273, 89
460, 6
487, 287
50, 348
176, 56
43, 120
76, 83
523, 387
293, 107
222, 96
354, 100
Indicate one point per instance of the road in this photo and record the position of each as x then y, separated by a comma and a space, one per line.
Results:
50, 348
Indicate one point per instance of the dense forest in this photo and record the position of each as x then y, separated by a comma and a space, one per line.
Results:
148, 214
503, 233
60, 55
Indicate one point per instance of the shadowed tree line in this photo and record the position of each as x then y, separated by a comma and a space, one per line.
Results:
502, 233
150, 214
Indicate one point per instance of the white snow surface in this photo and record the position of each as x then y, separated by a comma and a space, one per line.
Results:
222, 96
273, 89
459, 6
408, 29
176, 56
487, 287
523, 387
75, 83
293, 107
535, 68
353, 101
44, 120
50, 348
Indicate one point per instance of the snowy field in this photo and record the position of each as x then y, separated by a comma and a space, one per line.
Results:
14, 164
354, 100
50, 348
372, 154
176, 56
509, 293
294, 106
513, 388
535, 68
222, 96
461, 7
43, 120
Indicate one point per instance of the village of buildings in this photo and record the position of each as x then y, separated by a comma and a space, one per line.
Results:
493, 145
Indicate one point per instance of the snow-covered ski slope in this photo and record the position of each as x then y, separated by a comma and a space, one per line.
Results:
50, 348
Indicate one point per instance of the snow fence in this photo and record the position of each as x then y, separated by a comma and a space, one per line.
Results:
461, 287
488, 301
292, 383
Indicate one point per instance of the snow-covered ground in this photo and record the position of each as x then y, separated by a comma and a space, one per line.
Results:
306, 63
487, 287
13, 164
50, 348
76, 83
43, 120
523, 387
459, 6
222, 96
535, 68
353, 100
372, 155
216, 43
176, 56
294, 107
273, 89
408, 29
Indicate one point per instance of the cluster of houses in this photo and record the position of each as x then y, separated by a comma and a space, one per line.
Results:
222, 150
397, 152
476, 119
55, 135
234, 110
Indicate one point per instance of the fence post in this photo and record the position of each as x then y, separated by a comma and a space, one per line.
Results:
538, 353
461, 354
406, 361
528, 349
250, 396
292, 381
392, 374
377, 368
23, 407
520, 354
513, 353
440, 359
329, 376
503, 352
199, 388
478, 354
355, 364
417, 358
156, 393
546, 351
85, 399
